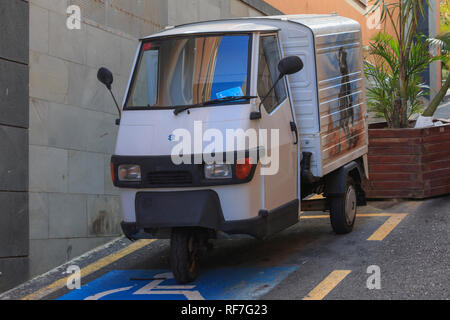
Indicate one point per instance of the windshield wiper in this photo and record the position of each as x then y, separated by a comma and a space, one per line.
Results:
179, 110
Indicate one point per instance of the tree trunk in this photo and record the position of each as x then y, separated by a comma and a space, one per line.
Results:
396, 116
431, 110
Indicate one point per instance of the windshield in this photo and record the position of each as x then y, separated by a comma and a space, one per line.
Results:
190, 70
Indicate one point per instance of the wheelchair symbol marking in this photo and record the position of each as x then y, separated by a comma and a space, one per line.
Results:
154, 288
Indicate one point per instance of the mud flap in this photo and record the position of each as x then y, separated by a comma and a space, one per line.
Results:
335, 183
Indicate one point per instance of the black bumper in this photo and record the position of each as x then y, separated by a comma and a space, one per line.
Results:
158, 212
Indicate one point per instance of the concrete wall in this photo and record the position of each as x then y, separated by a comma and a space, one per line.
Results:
13, 142
73, 205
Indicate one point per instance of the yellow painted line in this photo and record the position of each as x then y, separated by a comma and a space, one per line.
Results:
368, 215
99, 264
315, 217
327, 285
362, 215
382, 232
387, 227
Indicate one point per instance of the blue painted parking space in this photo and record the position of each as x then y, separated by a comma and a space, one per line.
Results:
221, 284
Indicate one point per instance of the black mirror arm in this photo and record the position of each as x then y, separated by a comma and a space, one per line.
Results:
258, 115
115, 102
270, 91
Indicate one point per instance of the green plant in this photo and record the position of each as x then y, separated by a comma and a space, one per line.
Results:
382, 68
401, 57
445, 16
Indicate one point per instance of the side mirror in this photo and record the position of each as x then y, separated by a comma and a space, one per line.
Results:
290, 65
286, 66
106, 77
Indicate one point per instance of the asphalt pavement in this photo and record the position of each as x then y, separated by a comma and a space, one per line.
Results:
398, 250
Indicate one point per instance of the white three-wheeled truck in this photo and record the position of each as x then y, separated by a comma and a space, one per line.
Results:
301, 75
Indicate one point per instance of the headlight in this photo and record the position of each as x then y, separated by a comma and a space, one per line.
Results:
130, 172
218, 171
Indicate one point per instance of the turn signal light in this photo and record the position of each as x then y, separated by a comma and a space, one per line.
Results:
244, 170
113, 174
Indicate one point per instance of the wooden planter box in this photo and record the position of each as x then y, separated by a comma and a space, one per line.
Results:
408, 163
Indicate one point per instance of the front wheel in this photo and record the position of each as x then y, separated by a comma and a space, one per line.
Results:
343, 209
184, 254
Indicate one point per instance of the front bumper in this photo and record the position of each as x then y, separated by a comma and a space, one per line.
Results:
158, 212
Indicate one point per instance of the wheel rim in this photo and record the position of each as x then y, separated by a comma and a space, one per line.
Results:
350, 205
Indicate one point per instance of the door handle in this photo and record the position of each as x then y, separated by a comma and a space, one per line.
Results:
294, 129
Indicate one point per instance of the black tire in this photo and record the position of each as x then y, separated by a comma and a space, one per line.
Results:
183, 255
343, 209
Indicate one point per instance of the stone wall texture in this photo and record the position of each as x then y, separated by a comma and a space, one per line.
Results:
14, 239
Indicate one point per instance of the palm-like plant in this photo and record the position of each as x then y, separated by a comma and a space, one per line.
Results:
381, 95
396, 61
383, 70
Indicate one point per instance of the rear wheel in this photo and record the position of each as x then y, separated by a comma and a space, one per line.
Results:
184, 254
343, 209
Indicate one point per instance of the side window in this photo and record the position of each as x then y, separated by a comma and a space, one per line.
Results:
269, 57
145, 89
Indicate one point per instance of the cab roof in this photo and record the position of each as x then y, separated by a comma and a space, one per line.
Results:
215, 27
318, 23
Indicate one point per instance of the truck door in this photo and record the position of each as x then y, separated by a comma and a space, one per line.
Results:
280, 185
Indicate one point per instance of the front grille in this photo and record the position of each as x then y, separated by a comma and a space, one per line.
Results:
170, 178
